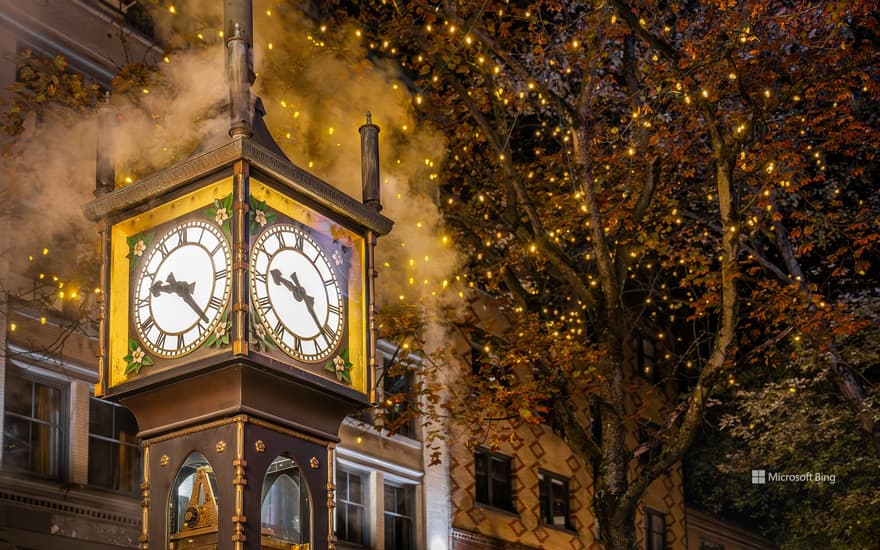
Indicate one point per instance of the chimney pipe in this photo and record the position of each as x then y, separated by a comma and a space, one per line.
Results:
240, 113
240, 13
370, 163
105, 171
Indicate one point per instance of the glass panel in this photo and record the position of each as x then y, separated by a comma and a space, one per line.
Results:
101, 462
100, 418
125, 427
482, 477
19, 395
398, 521
286, 509
114, 451
16, 443
193, 506
47, 403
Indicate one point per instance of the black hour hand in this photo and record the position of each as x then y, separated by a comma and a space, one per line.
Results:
180, 288
298, 291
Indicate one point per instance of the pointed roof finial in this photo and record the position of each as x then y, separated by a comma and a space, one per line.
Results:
369, 118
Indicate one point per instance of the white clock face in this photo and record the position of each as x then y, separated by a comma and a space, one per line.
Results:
296, 293
182, 288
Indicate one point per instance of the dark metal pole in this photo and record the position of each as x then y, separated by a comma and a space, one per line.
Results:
105, 170
370, 163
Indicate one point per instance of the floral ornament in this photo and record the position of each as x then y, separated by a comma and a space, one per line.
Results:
337, 258
221, 213
137, 244
340, 366
220, 336
136, 358
260, 215
258, 334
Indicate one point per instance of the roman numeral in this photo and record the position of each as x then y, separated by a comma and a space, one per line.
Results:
280, 237
328, 333
160, 340
180, 341
142, 302
297, 344
298, 243
182, 235
163, 248
261, 278
264, 304
334, 309
215, 303
217, 248
146, 324
221, 274
279, 329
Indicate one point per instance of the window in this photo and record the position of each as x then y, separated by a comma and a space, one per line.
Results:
553, 494
114, 451
398, 389
351, 507
494, 480
399, 515
34, 420
655, 530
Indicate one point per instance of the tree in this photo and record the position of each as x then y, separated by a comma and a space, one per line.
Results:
694, 176
690, 179
791, 420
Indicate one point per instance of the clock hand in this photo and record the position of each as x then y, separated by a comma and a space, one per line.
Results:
298, 291
181, 288
310, 300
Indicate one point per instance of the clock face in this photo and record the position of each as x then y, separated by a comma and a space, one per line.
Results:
296, 292
181, 288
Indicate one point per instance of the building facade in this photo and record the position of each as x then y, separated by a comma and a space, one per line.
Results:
70, 463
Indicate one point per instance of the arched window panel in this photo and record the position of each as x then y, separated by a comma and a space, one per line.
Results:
193, 506
286, 509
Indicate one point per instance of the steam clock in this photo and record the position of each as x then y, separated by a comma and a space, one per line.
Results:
238, 328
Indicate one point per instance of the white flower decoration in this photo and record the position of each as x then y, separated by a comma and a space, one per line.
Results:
260, 217
337, 257
139, 248
220, 330
261, 332
137, 356
339, 363
222, 215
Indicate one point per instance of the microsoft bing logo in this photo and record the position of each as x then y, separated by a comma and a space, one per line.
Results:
759, 477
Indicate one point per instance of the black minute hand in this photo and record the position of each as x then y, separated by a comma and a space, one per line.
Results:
182, 289
310, 301
298, 291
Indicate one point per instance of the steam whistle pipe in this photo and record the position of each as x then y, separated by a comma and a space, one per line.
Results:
105, 170
240, 114
240, 13
370, 163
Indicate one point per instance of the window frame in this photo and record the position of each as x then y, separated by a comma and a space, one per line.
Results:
391, 385
546, 499
32, 375
138, 463
396, 515
342, 501
492, 500
651, 516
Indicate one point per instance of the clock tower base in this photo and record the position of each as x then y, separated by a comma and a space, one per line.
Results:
251, 467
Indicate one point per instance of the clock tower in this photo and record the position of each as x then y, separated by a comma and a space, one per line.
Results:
238, 326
